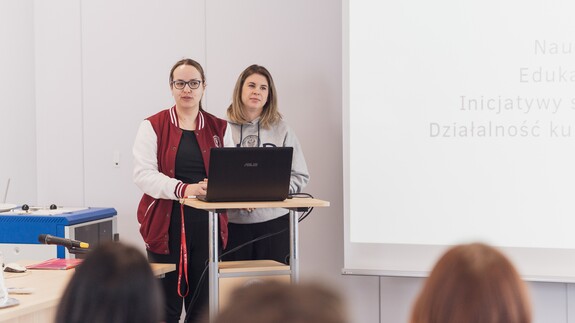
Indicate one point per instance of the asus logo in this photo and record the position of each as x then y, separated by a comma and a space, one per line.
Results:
251, 165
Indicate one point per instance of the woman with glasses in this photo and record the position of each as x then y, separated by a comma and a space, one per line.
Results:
256, 122
171, 154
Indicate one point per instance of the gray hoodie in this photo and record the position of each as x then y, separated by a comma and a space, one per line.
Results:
279, 135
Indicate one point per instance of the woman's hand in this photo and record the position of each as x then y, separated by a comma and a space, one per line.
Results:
199, 188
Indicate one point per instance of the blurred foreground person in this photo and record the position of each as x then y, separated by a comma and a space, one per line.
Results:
473, 283
114, 284
274, 302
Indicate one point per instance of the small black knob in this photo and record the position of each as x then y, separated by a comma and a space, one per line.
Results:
53, 207
25, 207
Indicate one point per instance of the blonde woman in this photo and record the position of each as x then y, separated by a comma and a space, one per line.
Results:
256, 122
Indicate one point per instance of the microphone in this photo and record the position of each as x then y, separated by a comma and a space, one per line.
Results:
68, 243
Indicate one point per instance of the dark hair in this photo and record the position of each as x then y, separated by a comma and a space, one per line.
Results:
270, 114
274, 302
191, 62
473, 283
114, 284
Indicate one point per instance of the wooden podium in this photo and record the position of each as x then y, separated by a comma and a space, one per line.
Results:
235, 274
294, 205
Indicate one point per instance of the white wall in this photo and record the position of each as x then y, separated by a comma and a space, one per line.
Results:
17, 95
128, 49
89, 72
59, 110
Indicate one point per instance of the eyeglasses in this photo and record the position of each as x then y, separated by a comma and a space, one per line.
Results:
180, 85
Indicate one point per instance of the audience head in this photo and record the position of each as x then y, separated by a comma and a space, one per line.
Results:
274, 302
473, 283
114, 284
269, 112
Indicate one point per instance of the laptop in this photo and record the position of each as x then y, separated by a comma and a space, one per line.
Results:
247, 174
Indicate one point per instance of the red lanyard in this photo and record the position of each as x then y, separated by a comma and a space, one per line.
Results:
183, 256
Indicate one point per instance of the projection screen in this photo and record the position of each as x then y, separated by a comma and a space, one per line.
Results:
459, 126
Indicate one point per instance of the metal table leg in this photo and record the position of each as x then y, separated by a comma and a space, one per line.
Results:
213, 265
294, 251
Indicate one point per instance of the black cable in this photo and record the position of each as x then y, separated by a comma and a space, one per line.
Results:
202, 276
264, 236
196, 293
301, 194
200, 281
305, 214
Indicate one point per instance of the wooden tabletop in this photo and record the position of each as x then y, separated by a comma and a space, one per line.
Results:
48, 287
293, 203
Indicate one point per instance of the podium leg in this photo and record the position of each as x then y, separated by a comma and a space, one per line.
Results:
213, 265
294, 251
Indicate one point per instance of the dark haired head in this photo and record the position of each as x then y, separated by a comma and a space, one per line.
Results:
114, 284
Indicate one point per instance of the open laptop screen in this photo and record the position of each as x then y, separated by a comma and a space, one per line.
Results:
249, 174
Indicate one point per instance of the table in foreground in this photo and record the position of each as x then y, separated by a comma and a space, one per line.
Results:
48, 286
